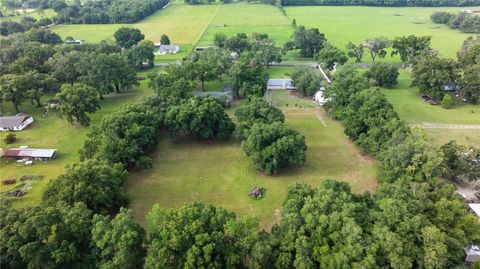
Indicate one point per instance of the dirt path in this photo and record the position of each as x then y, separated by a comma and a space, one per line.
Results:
319, 116
427, 125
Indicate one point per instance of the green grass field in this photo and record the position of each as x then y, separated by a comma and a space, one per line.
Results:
410, 106
249, 18
47, 131
187, 170
196, 25
182, 23
343, 24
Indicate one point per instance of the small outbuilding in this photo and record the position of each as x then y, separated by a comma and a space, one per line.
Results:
31, 153
472, 253
15, 123
280, 84
168, 49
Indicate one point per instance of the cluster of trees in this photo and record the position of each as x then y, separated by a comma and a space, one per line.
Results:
307, 80
36, 64
407, 47
463, 21
388, 3
267, 140
308, 41
106, 11
431, 72
26, 23
461, 162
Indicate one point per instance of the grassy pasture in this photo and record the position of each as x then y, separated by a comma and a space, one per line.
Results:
47, 131
187, 170
249, 18
348, 23
182, 23
411, 108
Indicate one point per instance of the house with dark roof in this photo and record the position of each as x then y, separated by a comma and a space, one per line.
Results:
15, 123
30, 153
168, 49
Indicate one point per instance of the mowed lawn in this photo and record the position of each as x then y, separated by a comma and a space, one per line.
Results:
411, 108
348, 23
249, 18
218, 172
184, 25
47, 131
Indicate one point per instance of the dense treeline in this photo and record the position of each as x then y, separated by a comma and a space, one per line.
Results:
37, 63
387, 3
463, 21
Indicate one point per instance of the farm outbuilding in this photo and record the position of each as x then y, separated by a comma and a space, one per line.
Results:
15, 123
280, 84
31, 153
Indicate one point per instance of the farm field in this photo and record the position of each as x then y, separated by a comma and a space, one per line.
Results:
187, 170
411, 108
344, 24
47, 131
37, 14
182, 23
249, 18
186, 25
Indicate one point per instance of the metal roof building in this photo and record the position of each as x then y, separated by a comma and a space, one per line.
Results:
30, 153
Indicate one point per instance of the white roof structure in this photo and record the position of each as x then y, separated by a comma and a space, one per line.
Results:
13, 121
280, 83
318, 97
167, 49
475, 208
473, 253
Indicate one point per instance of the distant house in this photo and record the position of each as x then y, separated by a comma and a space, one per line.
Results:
168, 49
30, 153
280, 84
472, 253
450, 86
15, 123
74, 42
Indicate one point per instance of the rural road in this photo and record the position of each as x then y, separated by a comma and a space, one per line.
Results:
427, 125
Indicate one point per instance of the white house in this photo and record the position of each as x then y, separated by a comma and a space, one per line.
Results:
168, 49
15, 123
280, 84
472, 253
74, 42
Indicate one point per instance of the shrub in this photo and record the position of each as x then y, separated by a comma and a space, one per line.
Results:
447, 101
10, 138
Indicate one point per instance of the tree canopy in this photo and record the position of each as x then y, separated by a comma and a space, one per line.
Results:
274, 146
75, 101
